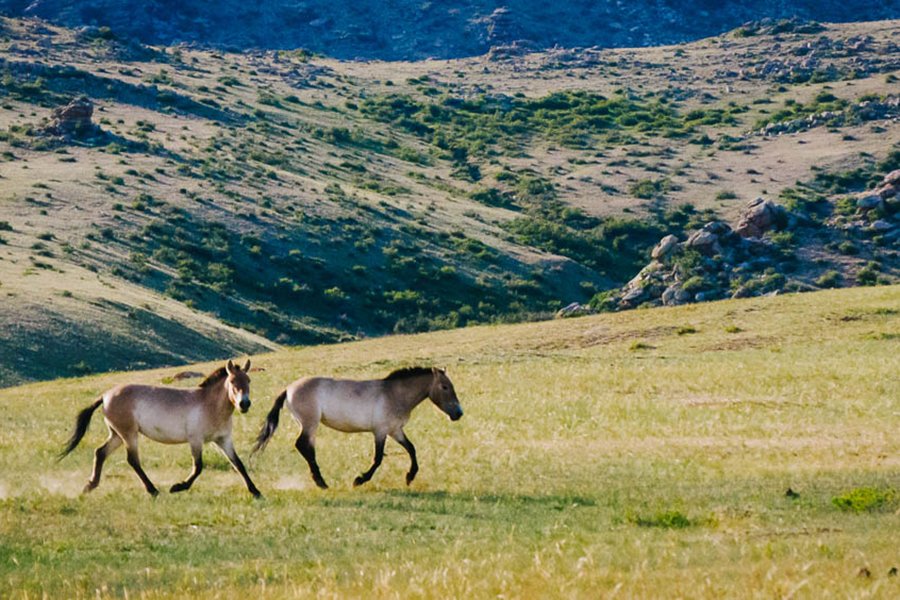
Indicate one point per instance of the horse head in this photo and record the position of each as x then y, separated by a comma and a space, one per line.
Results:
237, 385
443, 395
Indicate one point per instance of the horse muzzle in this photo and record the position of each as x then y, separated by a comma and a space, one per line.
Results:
456, 415
244, 405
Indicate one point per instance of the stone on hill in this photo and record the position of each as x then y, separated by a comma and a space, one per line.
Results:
704, 242
73, 118
868, 201
757, 218
665, 245
575, 309
886, 191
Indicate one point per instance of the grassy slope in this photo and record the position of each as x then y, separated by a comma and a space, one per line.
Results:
575, 431
379, 240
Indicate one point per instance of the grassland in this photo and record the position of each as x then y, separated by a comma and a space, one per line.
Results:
643, 454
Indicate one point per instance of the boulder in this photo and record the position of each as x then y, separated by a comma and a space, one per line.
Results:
633, 295
186, 375
74, 117
868, 201
674, 295
574, 309
758, 217
886, 191
881, 226
664, 247
719, 228
704, 242
893, 178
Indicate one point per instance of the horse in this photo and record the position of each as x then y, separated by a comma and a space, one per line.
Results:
171, 416
382, 406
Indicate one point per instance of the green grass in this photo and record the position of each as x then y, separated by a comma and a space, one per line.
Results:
580, 469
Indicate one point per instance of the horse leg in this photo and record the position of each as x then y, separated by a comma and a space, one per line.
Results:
411, 450
306, 446
197, 454
100, 454
379, 454
227, 447
134, 459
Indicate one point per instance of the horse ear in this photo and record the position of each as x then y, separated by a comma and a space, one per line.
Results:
229, 366
246, 368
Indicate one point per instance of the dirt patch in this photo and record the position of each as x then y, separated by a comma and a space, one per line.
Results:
601, 336
741, 343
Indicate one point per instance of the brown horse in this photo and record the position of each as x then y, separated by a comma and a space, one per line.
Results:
381, 406
170, 416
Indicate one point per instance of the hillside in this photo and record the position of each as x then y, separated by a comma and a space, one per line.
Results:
698, 451
414, 30
218, 202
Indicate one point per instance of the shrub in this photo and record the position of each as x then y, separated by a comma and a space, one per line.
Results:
868, 275
829, 279
865, 499
647, 189
668, 519
847, 247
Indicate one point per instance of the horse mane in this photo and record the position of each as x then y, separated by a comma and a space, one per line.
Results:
214, 378
407, 372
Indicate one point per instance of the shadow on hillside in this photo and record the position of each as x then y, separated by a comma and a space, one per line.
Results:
60, 83
41, 344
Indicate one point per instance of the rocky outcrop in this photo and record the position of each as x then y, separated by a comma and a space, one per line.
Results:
868, 110
713, 262
73, 119
575, 309
758, 217
665, 245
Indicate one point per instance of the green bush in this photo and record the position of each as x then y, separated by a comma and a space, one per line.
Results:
668, 519
829, 279
866, 499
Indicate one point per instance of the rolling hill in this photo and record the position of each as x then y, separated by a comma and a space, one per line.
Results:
224, 202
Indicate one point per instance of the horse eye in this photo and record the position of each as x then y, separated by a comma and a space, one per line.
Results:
445, 387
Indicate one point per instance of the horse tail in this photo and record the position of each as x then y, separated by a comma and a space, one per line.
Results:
271, 424
82, 421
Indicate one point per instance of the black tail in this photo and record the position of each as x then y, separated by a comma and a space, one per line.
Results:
82, 421
271, 424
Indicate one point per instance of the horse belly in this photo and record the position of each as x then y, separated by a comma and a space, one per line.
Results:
348, 423
167, 427
348, 414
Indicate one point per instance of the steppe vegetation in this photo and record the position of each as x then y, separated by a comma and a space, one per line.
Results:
733, 448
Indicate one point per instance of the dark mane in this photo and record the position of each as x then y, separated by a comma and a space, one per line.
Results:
214, 378
407, 372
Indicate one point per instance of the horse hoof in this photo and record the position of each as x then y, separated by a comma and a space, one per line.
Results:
359, 481
322, 485
88, 488
178, 487
153, 492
